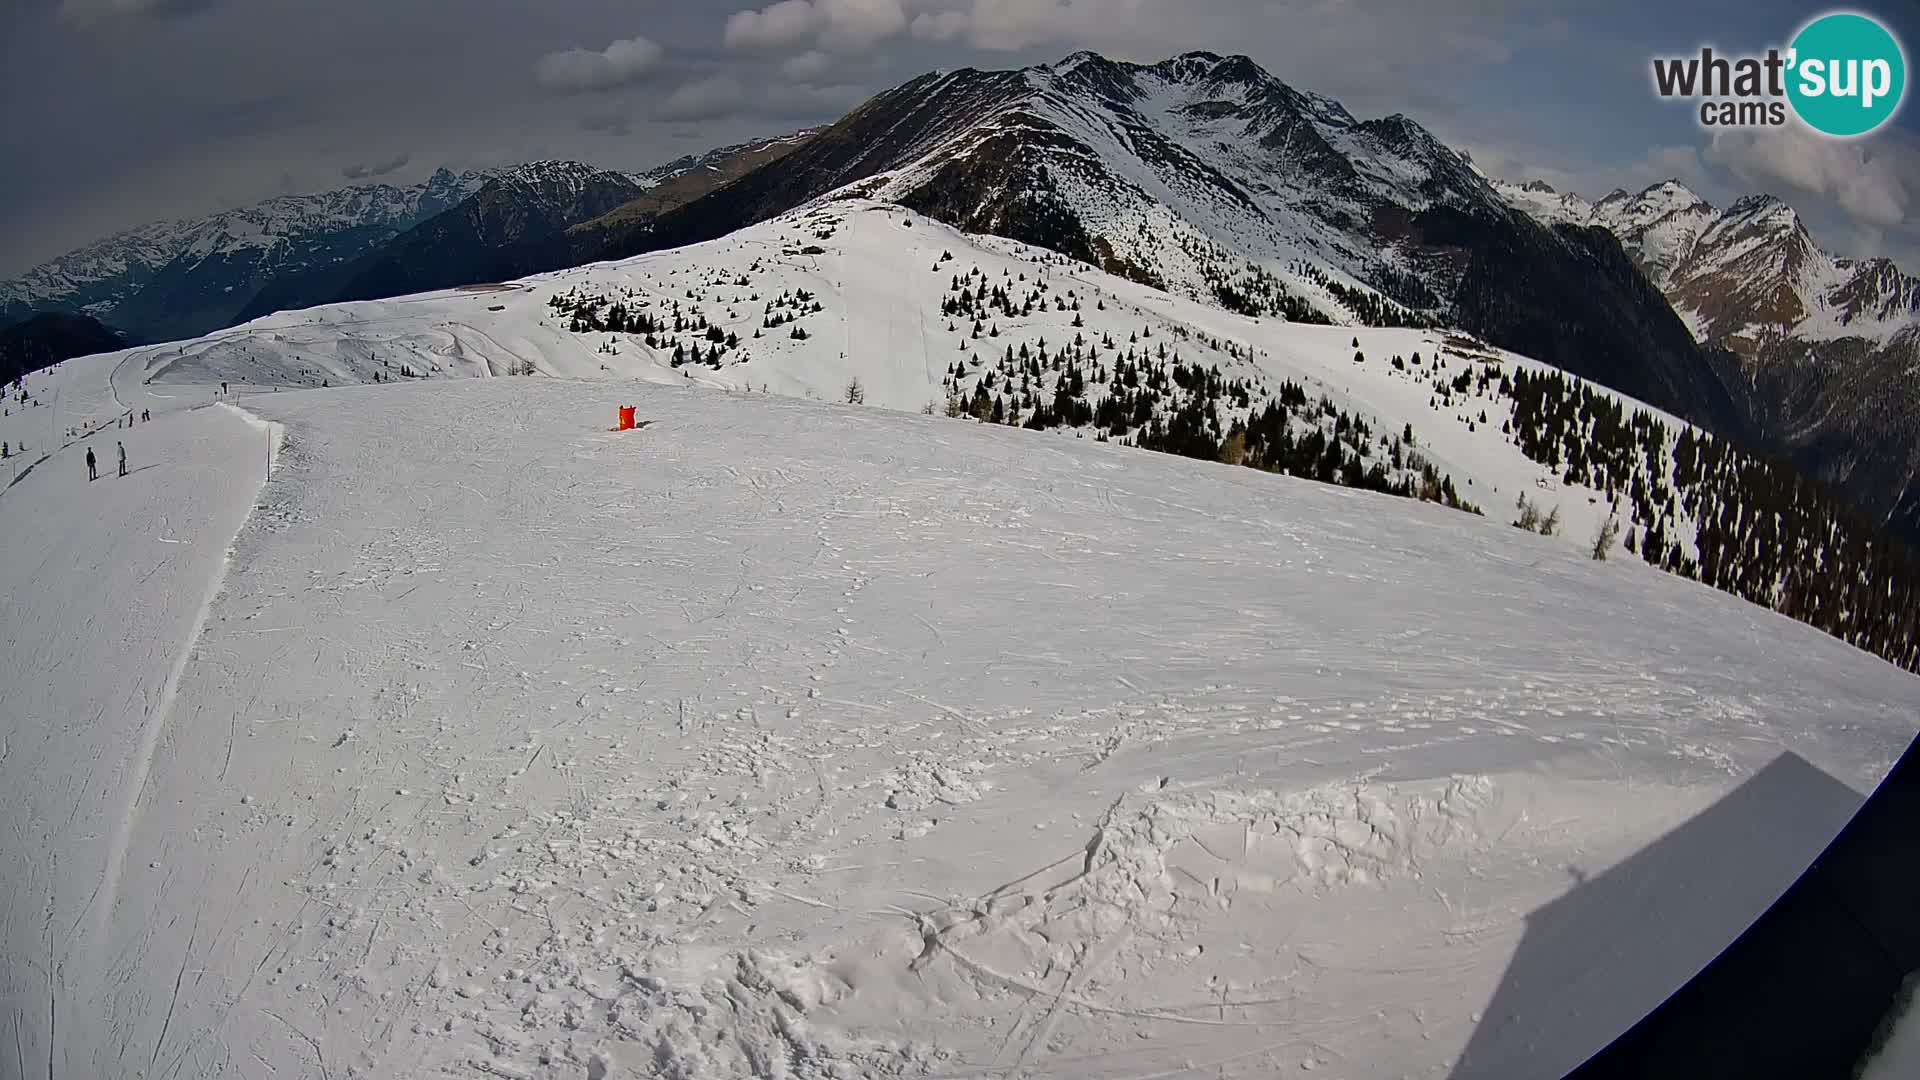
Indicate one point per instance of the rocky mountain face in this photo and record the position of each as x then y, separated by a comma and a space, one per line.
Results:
182, 278
179, 279
1821, 353
522, 221
680, 182
1207, 176
498, 233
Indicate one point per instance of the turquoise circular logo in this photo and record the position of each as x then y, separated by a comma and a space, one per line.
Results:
1848, 74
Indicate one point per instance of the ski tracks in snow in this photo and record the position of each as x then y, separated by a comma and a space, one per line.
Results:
518, 747
105, 661
158, 710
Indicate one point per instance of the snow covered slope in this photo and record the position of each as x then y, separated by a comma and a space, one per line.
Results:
790, 739
851, 297
884, 281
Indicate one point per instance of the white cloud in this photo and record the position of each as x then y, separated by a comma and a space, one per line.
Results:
704, 99
834, 25
1869, 180
859, 24
1680, 163
578, 71
807, 67
781, 26
941, 25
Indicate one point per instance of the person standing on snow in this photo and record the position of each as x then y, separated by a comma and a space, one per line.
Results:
93, 471
123, 458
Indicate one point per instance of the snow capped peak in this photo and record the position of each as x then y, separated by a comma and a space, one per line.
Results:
1671, 195
1764, 209
548, 171
1743, 276
1212, 68
1069, 64
1193, 78
1404, 135
1544, 203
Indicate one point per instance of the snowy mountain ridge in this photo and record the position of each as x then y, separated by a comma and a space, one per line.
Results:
101, 274
1212, 150
1206, 176
182, 277
1743, 275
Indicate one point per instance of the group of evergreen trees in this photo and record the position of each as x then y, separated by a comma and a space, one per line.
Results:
1699, 507
972, 296
1256, 291
683, 331
1143, 393
1371, 308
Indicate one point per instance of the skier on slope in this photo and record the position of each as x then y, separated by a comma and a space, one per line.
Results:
123, 458
93, 470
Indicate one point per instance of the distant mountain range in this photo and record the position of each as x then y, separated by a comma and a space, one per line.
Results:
476, 240
1203, 175
180, 279
1821, 353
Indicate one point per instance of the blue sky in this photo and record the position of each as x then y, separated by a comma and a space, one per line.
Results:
135, 110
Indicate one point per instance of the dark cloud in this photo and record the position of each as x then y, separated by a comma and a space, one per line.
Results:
606, 124
704, 99
181, 116
89, 13
378, 168
248, 116
800, 105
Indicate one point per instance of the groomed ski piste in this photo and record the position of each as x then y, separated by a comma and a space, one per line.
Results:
434, 729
